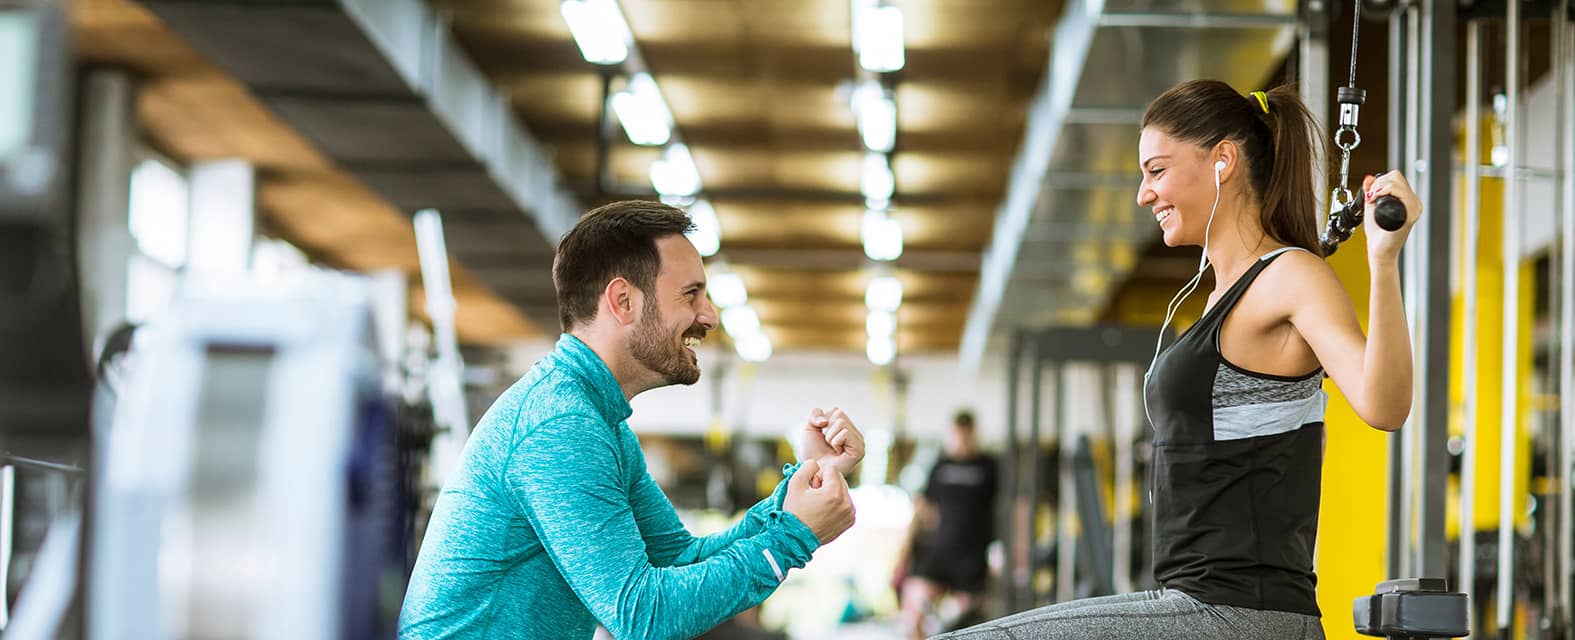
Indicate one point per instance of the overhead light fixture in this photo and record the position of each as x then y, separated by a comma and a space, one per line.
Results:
675, 173
740, 320
881, 351
861, 9
884, 294
727, 289
880, 324
753, 347
642, 111
878, 37
707, 234
876, 115
599, 29
882, 235
876, 181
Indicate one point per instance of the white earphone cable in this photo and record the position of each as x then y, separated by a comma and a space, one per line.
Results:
1186, 290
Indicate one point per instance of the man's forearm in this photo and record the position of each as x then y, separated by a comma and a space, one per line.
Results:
753, 522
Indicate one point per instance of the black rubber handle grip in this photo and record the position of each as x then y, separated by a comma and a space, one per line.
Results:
1389, 213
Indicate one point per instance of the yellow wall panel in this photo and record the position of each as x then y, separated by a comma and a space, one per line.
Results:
1485, 413
1353, 518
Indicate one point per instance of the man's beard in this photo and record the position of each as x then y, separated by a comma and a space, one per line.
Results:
653, 347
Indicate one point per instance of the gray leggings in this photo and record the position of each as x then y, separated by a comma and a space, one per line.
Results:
1165, 613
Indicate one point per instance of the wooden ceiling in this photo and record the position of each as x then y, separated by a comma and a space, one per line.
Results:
192, 111
759, 92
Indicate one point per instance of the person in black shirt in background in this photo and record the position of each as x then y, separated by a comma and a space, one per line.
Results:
953, 525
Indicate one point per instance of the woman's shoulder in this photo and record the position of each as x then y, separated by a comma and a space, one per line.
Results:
1299, 277
1298, 260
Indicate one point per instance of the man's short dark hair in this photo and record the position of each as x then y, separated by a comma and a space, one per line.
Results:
963, 419
612, 241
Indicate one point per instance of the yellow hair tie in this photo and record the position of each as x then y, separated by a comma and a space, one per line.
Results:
1262, 100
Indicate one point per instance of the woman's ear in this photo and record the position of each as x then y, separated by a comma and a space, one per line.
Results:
1228, 153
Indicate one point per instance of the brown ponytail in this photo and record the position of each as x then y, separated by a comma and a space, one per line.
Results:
1279, 147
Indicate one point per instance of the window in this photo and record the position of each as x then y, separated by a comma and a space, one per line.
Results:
158, 219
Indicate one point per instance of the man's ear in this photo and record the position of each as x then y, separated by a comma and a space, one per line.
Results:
620, 300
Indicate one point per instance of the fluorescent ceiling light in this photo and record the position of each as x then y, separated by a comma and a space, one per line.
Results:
727, 289
642, 111
876, 182
884, 294
876, 114
861, 8
599, 29
754, 347
882, 235
878, 38
740, 320
880, 324
881, 350
707, 235
675, 173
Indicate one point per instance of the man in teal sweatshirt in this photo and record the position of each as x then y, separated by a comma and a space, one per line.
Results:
550, 523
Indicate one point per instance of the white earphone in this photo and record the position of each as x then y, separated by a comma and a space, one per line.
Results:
1181, 296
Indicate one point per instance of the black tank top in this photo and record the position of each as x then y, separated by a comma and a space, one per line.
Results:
1238, 457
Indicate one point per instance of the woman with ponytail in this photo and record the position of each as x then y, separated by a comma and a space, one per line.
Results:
1236, 402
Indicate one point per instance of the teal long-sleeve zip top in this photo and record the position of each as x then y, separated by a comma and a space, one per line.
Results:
550, 524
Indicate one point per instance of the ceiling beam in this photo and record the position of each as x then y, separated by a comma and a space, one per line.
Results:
512, 59
494, 238
930, 300
1196, 20
517, 282
756, 132
1091, 181
1105, 115
801, 337
796, 194
834, 259
1072, 39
